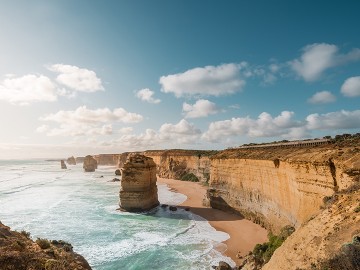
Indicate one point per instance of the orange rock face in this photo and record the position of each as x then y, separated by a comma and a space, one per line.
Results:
90, 164
138, 184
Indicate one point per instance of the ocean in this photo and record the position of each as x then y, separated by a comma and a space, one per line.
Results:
80, 208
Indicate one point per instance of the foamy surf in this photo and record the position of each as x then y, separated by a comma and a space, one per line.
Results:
81, 208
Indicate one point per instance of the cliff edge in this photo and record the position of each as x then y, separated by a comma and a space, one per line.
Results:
18, 251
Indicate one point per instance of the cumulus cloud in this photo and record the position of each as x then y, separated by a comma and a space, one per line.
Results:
79, 79
282, 125
84, 121
264, 126
205, 81
322, 97
334, 120
351, 87
201, 108
83, 115
318, 57
27, 89
147, 95
181, 133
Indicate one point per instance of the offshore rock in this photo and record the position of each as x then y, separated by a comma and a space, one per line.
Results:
90, 164
138, 185
63, 165
71, 161
18, 251
117, 172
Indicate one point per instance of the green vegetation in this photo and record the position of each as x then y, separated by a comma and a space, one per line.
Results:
25, 233
43, 243
263, 252
189, 177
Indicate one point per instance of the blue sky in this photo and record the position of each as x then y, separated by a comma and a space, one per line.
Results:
79, 77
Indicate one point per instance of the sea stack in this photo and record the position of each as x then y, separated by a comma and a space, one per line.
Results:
71, 161
63, 165
90, 164
138, 184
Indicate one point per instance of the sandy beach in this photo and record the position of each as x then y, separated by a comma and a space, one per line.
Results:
244, 234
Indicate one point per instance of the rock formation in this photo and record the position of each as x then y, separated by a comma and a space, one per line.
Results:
71, 161
79, 159
90, 164
117, 172
63, 165
107, 159
18, 251
176, 164
138, 184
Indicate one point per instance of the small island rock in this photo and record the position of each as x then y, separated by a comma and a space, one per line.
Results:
90, 164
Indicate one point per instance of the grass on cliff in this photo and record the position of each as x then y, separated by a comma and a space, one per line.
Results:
263, 252
189, 177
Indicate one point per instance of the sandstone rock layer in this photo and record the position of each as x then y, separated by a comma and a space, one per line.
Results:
90, 164
279, 187
71, 161
138, 184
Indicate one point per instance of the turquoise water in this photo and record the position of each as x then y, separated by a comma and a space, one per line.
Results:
78, 207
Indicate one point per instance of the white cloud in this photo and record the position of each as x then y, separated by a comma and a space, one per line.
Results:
264, 126
27, 89
322, 97
318, 57
182, 133
85, 121
201, 108
147, 95
87, 116
315, 59
79, 79
351, 87
334, 120
205, 81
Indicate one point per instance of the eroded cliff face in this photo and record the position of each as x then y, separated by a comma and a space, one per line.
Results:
138, 184
279, 187
330, 240
107, 159
90, 164
176, 163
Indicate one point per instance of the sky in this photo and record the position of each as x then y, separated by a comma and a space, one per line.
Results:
88, 77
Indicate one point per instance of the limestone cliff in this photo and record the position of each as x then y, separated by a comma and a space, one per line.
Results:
107, 159
278, 187
176, 163
79, 159
330, 240
138, 184
90, 164
18, 251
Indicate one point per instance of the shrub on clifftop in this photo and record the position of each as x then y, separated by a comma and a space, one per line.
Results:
189, 177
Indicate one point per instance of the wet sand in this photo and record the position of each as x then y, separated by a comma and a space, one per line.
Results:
244, 234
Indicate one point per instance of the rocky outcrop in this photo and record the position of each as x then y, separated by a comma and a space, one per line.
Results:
18, 251
90, 164
107, 159
138, 184
279, 187
330, 240
176, 164
117, 172
71, 161
63, 165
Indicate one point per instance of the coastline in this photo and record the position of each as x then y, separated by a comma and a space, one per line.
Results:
244, 234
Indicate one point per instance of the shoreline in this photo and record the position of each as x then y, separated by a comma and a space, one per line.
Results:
244, 234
